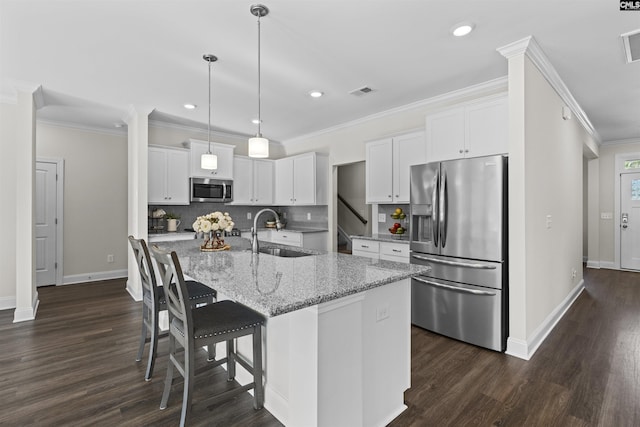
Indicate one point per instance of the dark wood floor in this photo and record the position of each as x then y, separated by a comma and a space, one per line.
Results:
75, 365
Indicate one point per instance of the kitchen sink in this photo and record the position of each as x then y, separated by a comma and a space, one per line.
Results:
282, 252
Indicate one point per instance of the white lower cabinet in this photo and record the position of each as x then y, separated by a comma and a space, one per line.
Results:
387, 251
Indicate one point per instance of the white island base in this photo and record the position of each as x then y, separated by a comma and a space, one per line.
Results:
346, 362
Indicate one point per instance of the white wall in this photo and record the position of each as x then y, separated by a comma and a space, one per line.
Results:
553, 186
95, 199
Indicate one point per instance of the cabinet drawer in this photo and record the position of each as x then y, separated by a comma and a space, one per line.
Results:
395, 249
287, 238
365, 246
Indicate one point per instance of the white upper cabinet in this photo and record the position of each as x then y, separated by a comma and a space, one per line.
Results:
387, 167
252, 181
471, 130
302, 180
225, 159
168, 178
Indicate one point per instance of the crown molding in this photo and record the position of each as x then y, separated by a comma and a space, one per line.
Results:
76, 126
478, 90
621, 141
528, 46
9, 89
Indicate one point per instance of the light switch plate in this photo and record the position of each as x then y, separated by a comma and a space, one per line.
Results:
382, 217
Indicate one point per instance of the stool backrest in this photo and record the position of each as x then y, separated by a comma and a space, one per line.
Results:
145, 267
175, 290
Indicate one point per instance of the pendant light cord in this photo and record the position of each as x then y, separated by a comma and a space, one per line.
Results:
209, 122
259, 91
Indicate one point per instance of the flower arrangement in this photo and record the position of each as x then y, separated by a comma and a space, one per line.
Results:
215, 221
210, 225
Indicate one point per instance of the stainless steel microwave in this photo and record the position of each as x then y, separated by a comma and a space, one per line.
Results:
211, 190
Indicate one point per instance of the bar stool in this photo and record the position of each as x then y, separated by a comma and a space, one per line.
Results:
154, 301
207, 325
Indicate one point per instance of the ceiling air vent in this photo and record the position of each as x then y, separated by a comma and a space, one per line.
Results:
361, 91
631, 42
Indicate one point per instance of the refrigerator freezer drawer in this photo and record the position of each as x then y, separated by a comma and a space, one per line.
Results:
467, 313
480, 273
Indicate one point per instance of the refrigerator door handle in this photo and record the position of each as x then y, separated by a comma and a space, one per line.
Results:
455, 264
443, 209
454, 288
434, 209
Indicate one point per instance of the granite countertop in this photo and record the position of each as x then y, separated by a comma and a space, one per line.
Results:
388, 237
303, 281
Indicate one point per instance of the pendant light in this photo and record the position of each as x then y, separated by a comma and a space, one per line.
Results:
259, 146
209, 160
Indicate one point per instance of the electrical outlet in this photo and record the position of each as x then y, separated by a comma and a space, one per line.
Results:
549, 221
308, 216
574, 273
382, 217
110, 258
382, 312
248, 215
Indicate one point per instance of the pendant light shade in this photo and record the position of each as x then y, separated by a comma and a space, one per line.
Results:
209, 160
259, 146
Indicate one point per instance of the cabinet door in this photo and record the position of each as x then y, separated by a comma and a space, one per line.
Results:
225, 160
178, 177
157, 176
242, 180
408, 150
378, 170
304, 179
263, 182
284, 182
445, 135
487, 128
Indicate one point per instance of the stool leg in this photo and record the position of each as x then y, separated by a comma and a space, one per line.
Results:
231, 360
168, 381
211, 351
153, 345
143, 335
258, 392
189, 366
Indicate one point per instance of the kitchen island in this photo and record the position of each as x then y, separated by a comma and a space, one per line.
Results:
337, 335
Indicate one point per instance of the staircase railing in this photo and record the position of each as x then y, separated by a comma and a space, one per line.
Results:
353, 210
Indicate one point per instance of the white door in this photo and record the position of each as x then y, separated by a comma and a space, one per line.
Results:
630, 221
45, 223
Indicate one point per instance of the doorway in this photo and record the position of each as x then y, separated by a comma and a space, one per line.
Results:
353, 214
627, 211
49, 186
630, 220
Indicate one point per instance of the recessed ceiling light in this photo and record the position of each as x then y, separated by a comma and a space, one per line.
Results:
462, 29
190, 106
316, 94
118, 125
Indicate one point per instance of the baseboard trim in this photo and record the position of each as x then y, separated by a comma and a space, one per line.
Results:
7, 303
593, 264
526, 349
609, 265
94, 277
29, 313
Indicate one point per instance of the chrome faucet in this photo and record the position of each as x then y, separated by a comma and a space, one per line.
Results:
254, 229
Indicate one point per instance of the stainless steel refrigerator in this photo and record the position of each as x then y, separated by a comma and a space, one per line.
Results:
458, 226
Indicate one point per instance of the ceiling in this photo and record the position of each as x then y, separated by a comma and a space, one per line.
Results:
96, 58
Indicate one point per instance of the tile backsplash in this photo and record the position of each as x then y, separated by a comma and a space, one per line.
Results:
294, 215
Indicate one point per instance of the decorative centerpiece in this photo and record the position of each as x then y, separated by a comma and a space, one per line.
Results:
212, 226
